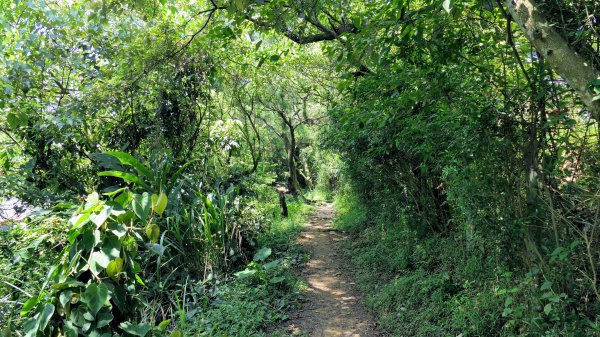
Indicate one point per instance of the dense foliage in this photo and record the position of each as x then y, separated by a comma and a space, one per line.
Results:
146, 139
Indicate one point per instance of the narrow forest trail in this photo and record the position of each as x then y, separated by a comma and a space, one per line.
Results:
331, 308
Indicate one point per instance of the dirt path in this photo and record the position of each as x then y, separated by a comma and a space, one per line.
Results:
331, 308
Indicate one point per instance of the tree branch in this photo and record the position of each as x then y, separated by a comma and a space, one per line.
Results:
569, 64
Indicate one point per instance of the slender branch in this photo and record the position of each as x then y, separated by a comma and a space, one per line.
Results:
12, 138
511, 42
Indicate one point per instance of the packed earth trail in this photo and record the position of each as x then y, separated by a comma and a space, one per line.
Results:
331, 308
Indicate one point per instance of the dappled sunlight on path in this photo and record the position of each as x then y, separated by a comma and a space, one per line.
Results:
331, 308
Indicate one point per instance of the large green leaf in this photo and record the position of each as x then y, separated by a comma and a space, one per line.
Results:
127, 159
262, 254
45, 315
38, 323
102, 216
118, 228
65, 297
112, 247
141, 329
92, 200
142, 205
114, 267
245, 273
98, 261
104, 318
15, 121
29, 304
127, 177
159, 203
153, 232
95, 296
70, 329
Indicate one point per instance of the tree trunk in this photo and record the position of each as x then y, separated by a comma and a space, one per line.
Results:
573, 68
283, 210
293, 184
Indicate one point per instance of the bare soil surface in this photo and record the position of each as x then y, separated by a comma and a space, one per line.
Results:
331, 308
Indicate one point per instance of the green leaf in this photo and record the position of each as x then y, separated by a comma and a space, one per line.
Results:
261, 62
277, 279
159, 203
176, 333
164, 323
114, 267
127, 159
262, 254
136, 329
112, 191
31, 327
15, 121
12, 120
245, 273
153, 232
65, 297
94, 297
70, 329
547, 285
118, 229
548, 308
29, 304
239, 4
44, 316
112, 247
79, 220
103, 319
446, 5
271, 264
127, 177
92, 200
101, 217
98, 261
142, 205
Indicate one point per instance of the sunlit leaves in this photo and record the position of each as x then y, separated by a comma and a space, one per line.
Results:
114, 267
159, 203
153, 232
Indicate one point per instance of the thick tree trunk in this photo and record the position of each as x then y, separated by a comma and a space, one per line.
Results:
571, 66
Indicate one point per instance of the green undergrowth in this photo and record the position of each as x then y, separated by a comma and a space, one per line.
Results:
247, 305
434, 285
27, 250
226, 305
419, 286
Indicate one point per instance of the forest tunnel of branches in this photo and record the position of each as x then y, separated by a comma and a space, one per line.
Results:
148, 148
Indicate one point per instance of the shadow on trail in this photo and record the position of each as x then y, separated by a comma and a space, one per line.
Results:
331, 308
